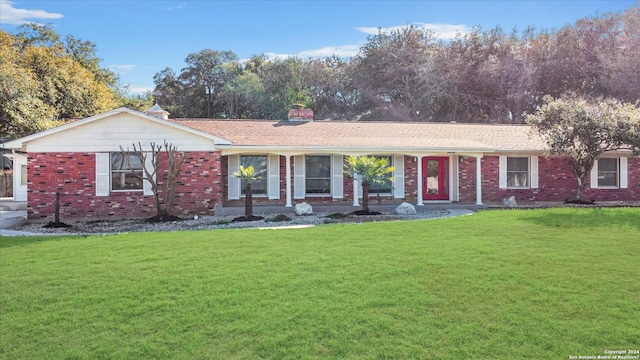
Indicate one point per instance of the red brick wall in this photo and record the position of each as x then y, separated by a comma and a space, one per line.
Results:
556, 182
73, 176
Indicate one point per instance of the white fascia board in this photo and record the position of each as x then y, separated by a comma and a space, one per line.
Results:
19, 143
299, 150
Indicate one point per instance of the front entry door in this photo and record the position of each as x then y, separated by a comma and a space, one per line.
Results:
435, 182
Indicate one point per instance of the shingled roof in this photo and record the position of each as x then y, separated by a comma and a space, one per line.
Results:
358, 134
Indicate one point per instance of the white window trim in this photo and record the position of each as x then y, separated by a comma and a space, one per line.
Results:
532, 173
622, 174
234, 191
103, 176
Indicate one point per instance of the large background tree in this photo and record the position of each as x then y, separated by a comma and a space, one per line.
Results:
45, 81
584, 129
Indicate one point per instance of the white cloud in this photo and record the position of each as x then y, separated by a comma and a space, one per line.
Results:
176, 7
440, 31
122, 68
11, 15
138, 90
341, 51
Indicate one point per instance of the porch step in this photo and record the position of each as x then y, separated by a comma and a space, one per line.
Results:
4, 208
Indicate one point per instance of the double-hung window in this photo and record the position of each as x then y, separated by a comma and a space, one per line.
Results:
259, 163
386, 187
126, 172
318, 175
608, 173
518, 172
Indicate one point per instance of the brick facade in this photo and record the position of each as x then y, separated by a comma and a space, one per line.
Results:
555, 179
203, 183
73, 175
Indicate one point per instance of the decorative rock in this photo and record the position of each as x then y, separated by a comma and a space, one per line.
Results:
509, 202
405, 209
303, 209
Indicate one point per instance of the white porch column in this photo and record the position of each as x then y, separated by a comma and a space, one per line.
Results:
419, 180
478, 180
288, 179
355, 192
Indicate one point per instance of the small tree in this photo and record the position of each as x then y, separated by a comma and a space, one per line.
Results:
584, 130
250, 176
368, 170
175, 160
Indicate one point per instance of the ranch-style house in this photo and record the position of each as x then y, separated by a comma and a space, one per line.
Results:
301, 160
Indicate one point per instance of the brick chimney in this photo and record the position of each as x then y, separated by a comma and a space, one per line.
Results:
297, 113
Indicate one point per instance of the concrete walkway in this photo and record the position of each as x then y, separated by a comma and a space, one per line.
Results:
12, 213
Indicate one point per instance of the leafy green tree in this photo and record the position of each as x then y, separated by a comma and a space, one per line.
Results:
584, 129
22, 111
250, 176
45, 81
368, 170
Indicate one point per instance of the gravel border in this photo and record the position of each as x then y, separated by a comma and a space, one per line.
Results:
214, 222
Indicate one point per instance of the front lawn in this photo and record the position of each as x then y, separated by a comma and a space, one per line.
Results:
496, 285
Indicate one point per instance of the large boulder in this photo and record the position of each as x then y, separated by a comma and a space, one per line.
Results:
509, 202
303, 209
405, 209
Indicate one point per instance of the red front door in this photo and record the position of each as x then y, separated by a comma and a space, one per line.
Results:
435, 178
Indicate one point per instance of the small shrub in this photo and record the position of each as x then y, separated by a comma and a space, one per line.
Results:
279, 218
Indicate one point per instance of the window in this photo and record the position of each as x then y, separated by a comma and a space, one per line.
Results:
318, 174
517, 172
126, 172
23, 175
387, 186
608, 172
259, 163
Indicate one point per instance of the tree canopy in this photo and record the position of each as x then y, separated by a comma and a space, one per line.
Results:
584, 129
45, 81
488, 76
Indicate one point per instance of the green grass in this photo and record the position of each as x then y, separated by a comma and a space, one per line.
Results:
495, 285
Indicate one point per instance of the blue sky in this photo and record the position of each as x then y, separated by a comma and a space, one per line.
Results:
136, 39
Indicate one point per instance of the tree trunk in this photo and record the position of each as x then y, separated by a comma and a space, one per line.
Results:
579, 188
248, 201
57, 209
365, 197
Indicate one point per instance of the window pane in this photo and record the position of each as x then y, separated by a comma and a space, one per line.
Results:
517, 179
387, 186
318, 178
23, 174
607, 179
126, 180
318, 186
608, 172
318, 166
518, 164
608, 165
259, 163
121, 162
258, 187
